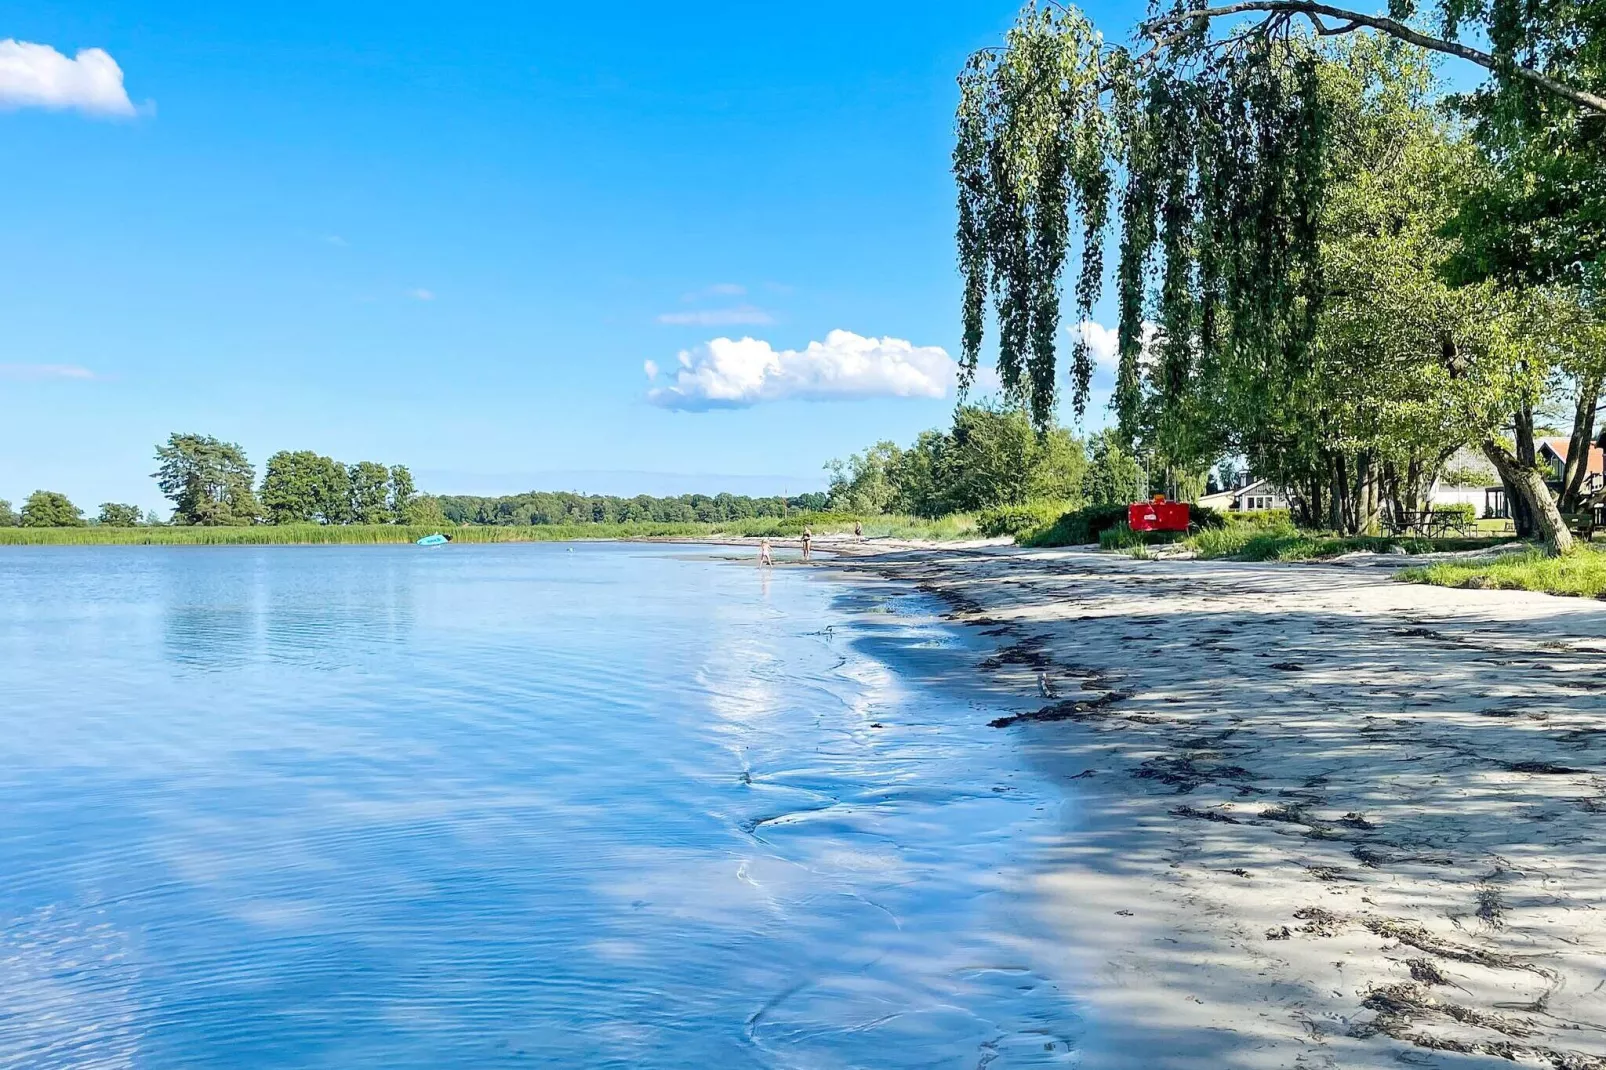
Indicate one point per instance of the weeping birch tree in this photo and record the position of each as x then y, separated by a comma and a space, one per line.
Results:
1230, 166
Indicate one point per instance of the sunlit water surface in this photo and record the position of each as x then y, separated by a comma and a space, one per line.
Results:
488, 806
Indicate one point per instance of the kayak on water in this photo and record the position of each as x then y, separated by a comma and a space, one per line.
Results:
434, 540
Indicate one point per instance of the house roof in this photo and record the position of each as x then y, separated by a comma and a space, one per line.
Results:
1559, 447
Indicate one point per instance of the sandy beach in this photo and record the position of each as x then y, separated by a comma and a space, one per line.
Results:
1321, 818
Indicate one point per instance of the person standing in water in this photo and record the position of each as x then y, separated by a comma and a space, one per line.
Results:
808, 537
764, 557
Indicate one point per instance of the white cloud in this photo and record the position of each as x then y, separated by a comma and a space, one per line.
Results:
34, 372
37, 76
1105, 342
724, 289
719, 317
421, 294
726, 373
651, 368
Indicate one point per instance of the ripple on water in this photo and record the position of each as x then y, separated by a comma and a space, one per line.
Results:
501, 806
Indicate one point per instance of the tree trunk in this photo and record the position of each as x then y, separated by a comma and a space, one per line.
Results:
1522, 517
1528, 484
1578, 446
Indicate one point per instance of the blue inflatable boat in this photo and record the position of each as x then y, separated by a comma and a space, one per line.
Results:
434, 540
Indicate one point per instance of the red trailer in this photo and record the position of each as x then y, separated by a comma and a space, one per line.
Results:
1157, 515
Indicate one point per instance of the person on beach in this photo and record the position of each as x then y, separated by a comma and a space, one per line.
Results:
808, 537
764, 557
858, 531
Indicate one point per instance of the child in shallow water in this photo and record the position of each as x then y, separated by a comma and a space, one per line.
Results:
764, 557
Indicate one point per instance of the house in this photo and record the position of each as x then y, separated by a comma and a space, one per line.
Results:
1255, 496
1552, 455
1552, 452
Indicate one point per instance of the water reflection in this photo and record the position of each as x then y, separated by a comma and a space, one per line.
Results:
502, 806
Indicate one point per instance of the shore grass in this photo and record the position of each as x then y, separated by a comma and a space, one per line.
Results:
1242, 542
1581, 574
951, 527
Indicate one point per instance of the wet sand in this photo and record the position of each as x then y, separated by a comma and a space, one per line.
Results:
1321, 818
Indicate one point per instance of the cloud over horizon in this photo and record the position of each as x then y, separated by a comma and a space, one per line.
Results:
728, 373
37, 76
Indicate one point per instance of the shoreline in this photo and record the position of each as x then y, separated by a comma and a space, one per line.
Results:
1323, 819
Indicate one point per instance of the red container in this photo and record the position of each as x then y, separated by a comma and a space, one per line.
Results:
1157, 516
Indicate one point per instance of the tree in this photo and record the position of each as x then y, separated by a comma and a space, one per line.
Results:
370, 493
1552, 47
8, 515
114, 515
1264, 214
301, 487
403, 495
861, 484
48, 509
1113, 476
423, 511
208, 481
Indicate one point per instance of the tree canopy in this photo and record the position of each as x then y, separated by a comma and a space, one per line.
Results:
1320, 268
49, 509
208, 481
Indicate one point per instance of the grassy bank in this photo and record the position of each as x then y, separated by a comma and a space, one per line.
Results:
1581, 575
1241, 542
952, 527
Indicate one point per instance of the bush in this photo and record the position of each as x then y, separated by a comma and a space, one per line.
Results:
1018, 520
1201, 519
1078, 527
1271, 519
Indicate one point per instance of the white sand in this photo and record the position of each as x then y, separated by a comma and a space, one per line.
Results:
1322, 819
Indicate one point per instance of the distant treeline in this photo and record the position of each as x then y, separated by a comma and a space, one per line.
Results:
211, 483
561, 507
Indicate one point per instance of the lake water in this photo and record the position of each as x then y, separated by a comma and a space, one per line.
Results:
487, 806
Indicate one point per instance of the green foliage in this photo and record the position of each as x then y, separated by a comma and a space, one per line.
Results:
301, 486
1113, 475
370, 493
1464, 513
8, 515
208, 481
562, 507
48, 509
991, 456
1581, 574
115, 515
1078, 527
421, 511
405, 506
953, 527
1031, 159
1018, 520
862, 483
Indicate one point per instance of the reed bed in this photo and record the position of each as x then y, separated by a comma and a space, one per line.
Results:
954, 527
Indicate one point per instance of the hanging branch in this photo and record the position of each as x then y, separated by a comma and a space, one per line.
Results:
1354, 20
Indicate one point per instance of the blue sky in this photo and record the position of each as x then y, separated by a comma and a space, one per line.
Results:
451, 236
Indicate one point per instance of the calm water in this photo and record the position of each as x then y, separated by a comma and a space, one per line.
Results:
502, 806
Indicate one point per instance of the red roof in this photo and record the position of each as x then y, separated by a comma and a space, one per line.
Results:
1597, 456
